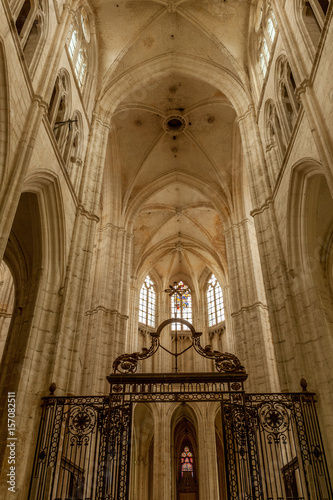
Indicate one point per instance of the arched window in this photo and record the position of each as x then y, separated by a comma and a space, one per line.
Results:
215, 304
73, 150
289, 104
147, 304
78, 44
31, 28
181, 307
23, 16
81, 67
273, 128
186, 461
59, 109
266, 30
313, 16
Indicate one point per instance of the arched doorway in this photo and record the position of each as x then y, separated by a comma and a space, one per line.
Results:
185, 460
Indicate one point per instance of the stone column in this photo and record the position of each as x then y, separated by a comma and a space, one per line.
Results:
208, 473
107, 316
162, 453
274, 163
251, 329
282, 314
66, 366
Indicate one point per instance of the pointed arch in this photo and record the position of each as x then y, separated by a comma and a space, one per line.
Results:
140, 76
147, 303
214, 300
46, 185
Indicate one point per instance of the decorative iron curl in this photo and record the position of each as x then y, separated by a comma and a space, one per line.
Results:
224, 361
128, 363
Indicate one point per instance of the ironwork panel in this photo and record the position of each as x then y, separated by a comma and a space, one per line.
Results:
68, 449
273, 448
272, 443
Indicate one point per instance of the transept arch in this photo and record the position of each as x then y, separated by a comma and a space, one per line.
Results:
143, 74
309, 232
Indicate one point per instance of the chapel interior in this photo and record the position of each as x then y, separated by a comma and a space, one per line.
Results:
166, 159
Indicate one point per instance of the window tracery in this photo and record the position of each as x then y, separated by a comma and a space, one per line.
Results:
147, 303
31, 27
73, 150
186, 461
266, 30
287, 95
311, 15
181, 307
215, 306
273, 129
59, 109
78, 44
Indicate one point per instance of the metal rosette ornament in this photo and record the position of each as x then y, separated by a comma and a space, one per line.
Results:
82, 421
275, 420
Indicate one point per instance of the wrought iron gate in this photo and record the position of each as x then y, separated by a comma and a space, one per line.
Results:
272, 443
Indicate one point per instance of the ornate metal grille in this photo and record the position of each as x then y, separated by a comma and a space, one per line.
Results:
272, 443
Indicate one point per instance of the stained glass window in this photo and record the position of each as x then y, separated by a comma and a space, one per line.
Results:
186, 461
147, 305
181, 307
215, 304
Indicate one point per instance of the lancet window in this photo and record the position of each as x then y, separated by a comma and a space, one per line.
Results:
147, 304
31, 27
59, 108
186, 461
78, 44
266, 30
181, 306
287, 95
215, 304
313, 16
274, 131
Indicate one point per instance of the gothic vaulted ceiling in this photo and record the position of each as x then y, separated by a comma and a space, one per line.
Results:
174, 134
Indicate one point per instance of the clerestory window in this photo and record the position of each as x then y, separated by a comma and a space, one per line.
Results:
215, 304
181, 306
147, 304
78, 44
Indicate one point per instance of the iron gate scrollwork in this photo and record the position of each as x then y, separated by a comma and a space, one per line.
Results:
272, 443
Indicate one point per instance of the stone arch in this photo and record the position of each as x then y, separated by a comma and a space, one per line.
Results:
309, 238
275, 144
74, 149
184, 428
35, 254
157, 185
86, 43
23, 255
4, 113
60, 107
285, 93
143, 451
310, 18
36, 36
307, 248
46, 185
140, 77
